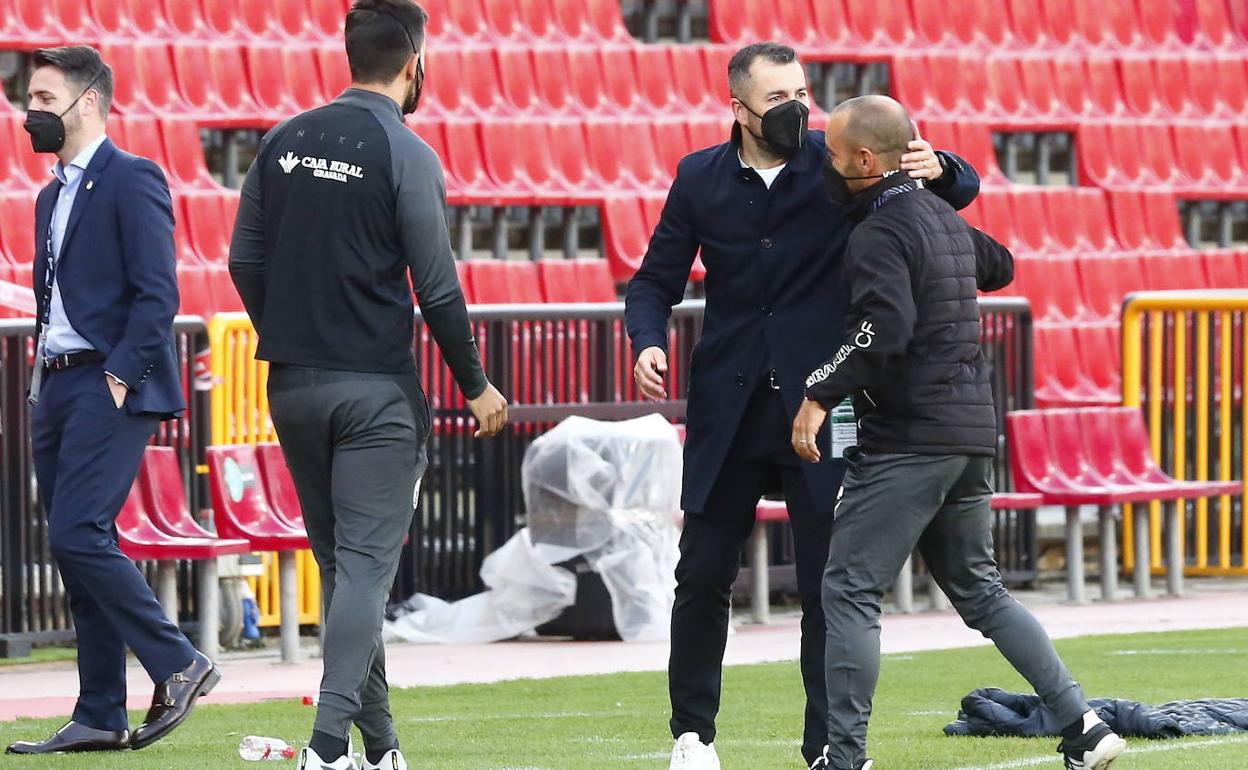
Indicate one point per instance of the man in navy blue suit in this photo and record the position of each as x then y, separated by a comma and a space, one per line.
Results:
105, 375
772, 242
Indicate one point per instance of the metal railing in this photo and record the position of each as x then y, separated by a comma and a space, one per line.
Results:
33, 605
1185, 361
555, 361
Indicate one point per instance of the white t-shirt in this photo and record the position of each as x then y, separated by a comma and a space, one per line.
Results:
768, 174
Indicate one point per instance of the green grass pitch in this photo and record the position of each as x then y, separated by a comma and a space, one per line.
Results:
619, 721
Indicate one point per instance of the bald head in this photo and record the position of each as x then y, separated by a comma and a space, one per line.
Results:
875, 123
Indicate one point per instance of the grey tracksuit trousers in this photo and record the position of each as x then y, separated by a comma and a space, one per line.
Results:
891, 503
355, 444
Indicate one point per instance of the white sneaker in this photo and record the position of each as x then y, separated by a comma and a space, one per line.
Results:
308, 760
1096, 749
391, 760
690, 753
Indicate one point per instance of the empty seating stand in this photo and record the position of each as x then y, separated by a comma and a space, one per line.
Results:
1102, 457
241, 509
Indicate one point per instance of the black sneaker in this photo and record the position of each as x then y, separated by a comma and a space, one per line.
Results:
823, 763
1096, 749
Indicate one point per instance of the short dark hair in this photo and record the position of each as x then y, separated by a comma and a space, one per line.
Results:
81, 64
739, 65
381, 35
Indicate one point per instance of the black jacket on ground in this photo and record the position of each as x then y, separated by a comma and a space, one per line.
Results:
993, 712
911, 358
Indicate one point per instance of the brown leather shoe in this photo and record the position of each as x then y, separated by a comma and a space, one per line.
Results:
75, 737
173, 700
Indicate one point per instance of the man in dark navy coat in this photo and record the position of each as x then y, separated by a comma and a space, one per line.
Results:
771, 240
105, 375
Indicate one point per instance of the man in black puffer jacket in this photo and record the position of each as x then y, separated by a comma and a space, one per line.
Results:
920, 474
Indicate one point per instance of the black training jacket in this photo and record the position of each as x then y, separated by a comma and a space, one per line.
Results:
342, 204
912, 360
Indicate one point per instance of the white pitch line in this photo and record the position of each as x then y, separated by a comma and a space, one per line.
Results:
1131, 751
1179, 652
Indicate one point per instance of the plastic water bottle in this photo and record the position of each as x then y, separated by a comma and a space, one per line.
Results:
257, 749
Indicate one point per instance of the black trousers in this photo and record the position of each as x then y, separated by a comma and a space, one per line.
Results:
760, 461
355, 444
87, 453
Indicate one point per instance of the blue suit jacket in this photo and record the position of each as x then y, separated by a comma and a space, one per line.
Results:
774, 294
118, 274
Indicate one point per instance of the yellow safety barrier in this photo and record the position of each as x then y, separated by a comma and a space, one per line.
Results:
240, 415
1185, 362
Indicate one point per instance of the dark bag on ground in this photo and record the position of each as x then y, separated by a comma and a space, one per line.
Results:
994, 712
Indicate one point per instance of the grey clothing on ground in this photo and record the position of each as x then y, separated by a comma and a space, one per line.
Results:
355, 444
891, 504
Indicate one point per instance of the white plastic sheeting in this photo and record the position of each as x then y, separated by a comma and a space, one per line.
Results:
605, 491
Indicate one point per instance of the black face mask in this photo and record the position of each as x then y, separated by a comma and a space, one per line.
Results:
412, 101
836, 183
47, 129
784, 128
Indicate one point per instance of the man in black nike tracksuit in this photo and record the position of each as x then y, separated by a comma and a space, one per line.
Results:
921, 473
342, 205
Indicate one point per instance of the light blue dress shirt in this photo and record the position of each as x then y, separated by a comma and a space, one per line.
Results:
62, 338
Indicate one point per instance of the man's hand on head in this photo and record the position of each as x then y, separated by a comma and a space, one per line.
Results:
922, 161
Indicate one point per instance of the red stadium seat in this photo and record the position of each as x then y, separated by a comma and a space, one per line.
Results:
1100, 356
328, 19
505, 22
884, 24
1031, 222
519, 86
1161, 213
1173, 90
1218, 87
505, 145
1156, 153
444, 91
1212, 26
997, 219
694, 92
303, 84
466, 20
1134, 448
619, 73
186, 19
571, 158
1174, 271
1127, 209
975, 144
480, 82
212, 79
335, 70
1107, 24
1158, 24
1140, 86
745, 21
1225, 268
576, 280
17, 226
595, 21
163, 491
501, 282
625, 235
554, 80
142, 138
185, 155
1029, 26
656, 81
1059, 22
1051, 284
140, 19
639, 168
20, 168
537, 18
1107, 280
1060, 379
1208, 157
279, 486
1040, 86
831, 21
140, 539
224, 18
1084, 217
209, 229
1109, 153
794, 25
671, 143
240, 505
465, 163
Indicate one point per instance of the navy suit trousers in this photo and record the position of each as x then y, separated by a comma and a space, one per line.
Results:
87, 453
